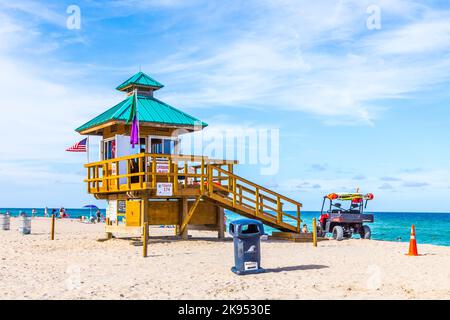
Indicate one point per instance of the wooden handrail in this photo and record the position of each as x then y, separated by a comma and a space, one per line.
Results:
259, 187
173, 157
257, 200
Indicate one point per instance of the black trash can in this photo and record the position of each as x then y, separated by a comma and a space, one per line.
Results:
247, 246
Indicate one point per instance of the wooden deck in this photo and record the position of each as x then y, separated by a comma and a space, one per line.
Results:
195, 177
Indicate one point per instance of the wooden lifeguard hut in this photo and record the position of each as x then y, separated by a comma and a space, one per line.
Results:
153, 184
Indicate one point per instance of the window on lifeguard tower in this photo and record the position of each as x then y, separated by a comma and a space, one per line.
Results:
162, 146
142, 145
109, 149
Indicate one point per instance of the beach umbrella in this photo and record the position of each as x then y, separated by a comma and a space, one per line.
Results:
91, 206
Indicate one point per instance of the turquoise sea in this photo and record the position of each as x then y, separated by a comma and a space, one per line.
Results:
431, 228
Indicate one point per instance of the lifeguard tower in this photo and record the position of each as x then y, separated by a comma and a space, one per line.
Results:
153, 184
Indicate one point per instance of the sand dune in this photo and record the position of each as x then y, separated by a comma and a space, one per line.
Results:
76, 266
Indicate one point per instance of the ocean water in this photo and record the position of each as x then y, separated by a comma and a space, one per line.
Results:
431, 228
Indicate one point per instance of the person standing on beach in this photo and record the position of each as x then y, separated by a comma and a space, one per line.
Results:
33, 213
46, 212
98, 215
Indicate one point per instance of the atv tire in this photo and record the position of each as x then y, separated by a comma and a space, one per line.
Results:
338, 233
366, 233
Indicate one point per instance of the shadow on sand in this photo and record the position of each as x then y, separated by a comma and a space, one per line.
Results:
296, 268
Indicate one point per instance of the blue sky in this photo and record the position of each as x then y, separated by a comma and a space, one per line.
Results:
355, 107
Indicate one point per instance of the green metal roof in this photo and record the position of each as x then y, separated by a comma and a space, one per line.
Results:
149, 110
141, 79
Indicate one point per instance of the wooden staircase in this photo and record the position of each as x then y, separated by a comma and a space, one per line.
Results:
250, 200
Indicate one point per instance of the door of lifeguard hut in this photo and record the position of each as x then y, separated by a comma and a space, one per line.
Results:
120, 146
116, 147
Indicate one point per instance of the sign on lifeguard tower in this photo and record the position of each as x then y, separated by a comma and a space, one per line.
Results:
164, 189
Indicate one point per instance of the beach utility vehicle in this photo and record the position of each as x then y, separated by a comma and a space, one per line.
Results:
344, 220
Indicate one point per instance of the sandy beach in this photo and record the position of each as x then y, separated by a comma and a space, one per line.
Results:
77, 266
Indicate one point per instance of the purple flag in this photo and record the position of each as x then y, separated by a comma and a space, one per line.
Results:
134, 136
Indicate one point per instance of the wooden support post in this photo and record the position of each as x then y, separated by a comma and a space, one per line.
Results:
298, 219
221, 222
52, 229
108, 223
144, 224
145, 240
184, 214
188, 217
314, 231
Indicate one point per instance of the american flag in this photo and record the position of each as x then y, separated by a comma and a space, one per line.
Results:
79, 146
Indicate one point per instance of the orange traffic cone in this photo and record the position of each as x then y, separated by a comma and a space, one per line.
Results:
412, 243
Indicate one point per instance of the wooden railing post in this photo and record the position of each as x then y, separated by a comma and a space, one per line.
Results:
234, 190
153, 172
202, 175
210, 179
257, 201
141, 171
175, 177
185, 174
128, 173
117, 174
105, 174
170, 170
298, 218
89, 178
240, 194
279, 210
97, 176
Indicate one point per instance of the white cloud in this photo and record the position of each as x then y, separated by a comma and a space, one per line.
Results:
318, 59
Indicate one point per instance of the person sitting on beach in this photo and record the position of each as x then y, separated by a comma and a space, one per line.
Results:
305, 229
